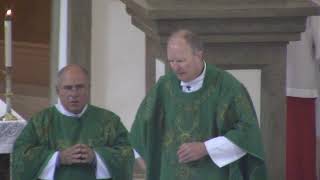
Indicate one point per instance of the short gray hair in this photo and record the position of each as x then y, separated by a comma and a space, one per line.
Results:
191, 38
69, 66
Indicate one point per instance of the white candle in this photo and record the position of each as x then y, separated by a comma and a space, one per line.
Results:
8, 39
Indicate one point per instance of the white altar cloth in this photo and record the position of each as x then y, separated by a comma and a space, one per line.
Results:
9, 130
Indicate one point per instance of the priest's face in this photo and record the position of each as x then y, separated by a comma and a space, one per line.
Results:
184, 62
73, 89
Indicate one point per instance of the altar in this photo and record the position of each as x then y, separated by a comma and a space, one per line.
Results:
9, 131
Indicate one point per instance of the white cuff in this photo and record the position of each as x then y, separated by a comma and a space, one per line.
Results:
48, 171
102, 171
222, 151
136, 154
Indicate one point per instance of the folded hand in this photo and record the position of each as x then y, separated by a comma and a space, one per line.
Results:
79, 153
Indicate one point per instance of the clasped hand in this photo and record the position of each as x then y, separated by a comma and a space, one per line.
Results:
79, 153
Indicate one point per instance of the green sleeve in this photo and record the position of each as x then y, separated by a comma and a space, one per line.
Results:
118, 154
146, 131
242, 121
30, 154
241, 126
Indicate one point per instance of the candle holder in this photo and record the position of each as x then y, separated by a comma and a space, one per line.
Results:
8, 116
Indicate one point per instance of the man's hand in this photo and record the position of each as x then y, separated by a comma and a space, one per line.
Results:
79, 153
70, 155
188, 152
87, 154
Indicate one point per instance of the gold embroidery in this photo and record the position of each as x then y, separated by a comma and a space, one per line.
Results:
168, 139
188, 113
185, 137
183, 172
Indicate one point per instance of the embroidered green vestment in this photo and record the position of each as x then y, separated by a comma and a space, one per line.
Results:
50, 131
169, 117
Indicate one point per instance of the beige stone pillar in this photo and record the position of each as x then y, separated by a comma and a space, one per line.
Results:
54, 48
78, 41
79, 32
246, 34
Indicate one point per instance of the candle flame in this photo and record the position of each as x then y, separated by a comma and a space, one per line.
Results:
9, 12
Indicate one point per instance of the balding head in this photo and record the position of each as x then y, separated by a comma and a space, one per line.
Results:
184, 51
73, 87
72, 67
192, 39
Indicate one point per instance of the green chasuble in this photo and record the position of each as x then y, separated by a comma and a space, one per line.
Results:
50, 131
168, 117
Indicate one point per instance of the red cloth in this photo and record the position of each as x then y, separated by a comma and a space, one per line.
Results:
301, 139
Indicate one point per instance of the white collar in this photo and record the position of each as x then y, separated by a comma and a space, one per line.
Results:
65, 112
195, 84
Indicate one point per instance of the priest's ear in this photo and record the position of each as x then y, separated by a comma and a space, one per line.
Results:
198, 54
57, 87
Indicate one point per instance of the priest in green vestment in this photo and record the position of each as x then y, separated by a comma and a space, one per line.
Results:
197, 122
73, 140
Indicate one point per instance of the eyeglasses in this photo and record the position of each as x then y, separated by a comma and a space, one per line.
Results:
77, 87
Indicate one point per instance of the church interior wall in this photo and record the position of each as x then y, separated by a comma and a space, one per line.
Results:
117, 60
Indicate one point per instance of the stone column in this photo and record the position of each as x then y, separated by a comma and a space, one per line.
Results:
54, 49
246, 34
79, 38
79, 32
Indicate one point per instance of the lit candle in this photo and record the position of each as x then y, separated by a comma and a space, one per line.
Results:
8, 39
